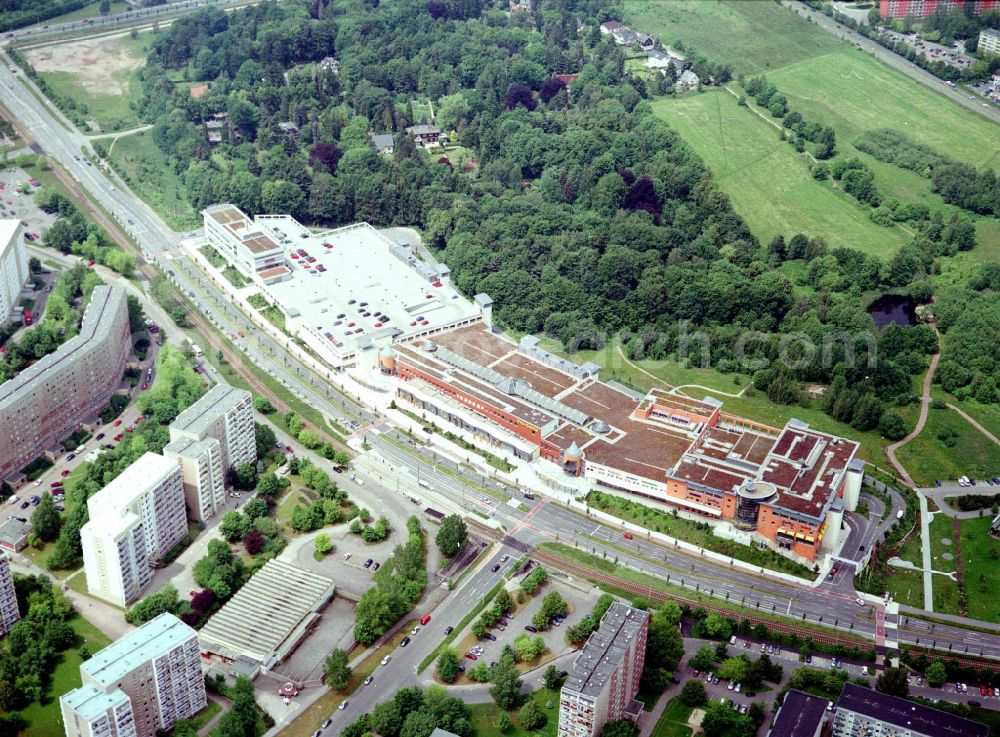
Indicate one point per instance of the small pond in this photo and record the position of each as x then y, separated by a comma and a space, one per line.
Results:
893, 308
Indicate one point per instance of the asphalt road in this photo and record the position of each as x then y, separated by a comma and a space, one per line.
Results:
894, 60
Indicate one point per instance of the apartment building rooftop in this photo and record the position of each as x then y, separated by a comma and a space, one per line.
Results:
91, 702
8, 232
799, 716
189, 447
605, 649
117, 660
147, 471
104, 300
199, 416
906, 714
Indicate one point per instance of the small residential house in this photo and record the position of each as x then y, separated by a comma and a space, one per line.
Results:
609, 27
424, 135
645, 41
658, 60
522, 5
688, 80
328, 63
289, 129
626, 37
384, 143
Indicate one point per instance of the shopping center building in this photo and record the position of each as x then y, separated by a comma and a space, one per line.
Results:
788, 485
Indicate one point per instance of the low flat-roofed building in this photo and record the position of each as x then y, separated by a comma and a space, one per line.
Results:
989, 41
240, 241
14, 535
267, 618
604, 678
48, 401
800, 715
863, 711
354, 289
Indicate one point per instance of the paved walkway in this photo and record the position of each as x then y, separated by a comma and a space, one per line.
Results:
210, 724
925, 546
925, 403
650, 719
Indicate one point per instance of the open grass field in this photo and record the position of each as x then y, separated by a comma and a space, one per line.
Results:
753, 36
768, 182
906, 587
484, 717
927, 458
982, 572
673, 721
44, 718
854, 92
98, 75
143, 166
87, 11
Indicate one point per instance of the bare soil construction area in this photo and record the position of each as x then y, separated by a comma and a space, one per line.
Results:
101, 66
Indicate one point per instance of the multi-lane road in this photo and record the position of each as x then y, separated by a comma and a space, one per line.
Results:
833, 603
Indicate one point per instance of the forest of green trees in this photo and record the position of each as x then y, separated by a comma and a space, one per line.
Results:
577, 209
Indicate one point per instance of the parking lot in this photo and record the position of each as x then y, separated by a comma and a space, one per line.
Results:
951, 55
579, 601
13, 204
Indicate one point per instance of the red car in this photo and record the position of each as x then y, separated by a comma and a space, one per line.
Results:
56, 484
129, 429
90, 262
983, 691
140, 418
118, 437
470, 656
290, 449
65, 472
118, 422
628, 535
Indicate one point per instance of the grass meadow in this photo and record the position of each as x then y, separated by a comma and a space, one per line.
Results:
147, 172
744, 152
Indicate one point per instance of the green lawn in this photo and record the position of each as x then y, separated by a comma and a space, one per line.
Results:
906, 587
673, 721
113, 110
147, 172
44, 719
752, 36
87, 11
940, 529
768, 182
854, 93
484, 717
980, 554
927, 458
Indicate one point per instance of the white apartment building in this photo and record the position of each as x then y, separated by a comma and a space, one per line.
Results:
116, 559
134, 520
226, 414
13, 267
49, 400
243, 243
203, 475
9, 613
157, 667
989, 41
604, 679
90, 712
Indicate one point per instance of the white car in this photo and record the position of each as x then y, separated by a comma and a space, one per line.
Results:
347, 556
860, 601
386, 659
415, 630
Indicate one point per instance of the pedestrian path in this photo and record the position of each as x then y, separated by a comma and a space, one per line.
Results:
925, 546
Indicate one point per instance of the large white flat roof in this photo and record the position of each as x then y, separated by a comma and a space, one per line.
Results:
364, 273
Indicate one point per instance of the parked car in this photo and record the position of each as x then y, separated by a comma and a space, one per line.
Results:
405, 642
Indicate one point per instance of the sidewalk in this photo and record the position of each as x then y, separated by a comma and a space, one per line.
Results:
925, 546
